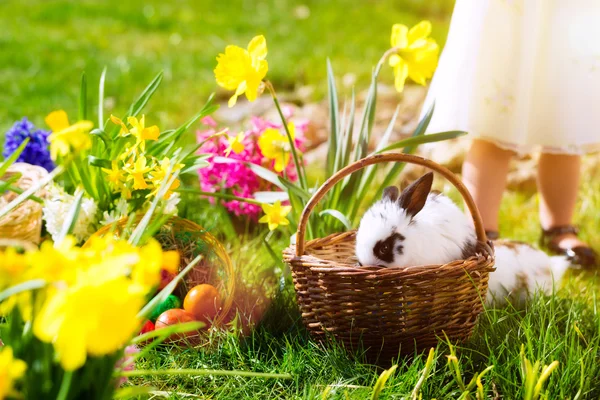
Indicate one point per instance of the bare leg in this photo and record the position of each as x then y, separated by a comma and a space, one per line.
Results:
558, 186
484, 174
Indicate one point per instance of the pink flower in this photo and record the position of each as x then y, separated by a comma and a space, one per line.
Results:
126, 363
236, 178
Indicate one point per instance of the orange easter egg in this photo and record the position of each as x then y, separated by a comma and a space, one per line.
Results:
203, 302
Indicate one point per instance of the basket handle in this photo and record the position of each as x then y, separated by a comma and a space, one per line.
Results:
384, 158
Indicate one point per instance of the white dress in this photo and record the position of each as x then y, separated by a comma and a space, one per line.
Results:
524, 74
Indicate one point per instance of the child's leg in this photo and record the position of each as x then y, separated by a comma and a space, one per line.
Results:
484, 174
558, 186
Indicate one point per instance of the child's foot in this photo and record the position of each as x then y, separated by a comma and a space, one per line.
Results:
563, 240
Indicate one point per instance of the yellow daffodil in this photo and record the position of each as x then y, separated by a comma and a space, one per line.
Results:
96, 317
243, 70
11, 369
136, 173
147, 273
117, 121
66, 137
54, 264
158, 175
142, 133
275, 215
275, 145
115, 175
12, 267
235, 144
416, 56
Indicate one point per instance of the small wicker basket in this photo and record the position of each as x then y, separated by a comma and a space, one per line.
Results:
216, 268
25, 221
386, 311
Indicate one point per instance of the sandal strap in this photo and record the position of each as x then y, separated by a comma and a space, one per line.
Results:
560, 230
492, 235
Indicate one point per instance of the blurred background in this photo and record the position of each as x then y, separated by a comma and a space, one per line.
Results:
46, 45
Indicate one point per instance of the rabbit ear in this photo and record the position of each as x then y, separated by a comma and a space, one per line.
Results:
413, 198
391, 193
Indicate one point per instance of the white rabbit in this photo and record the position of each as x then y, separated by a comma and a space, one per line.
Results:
417, 227
521, 270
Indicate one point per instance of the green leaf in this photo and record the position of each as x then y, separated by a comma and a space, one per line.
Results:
22, 287
417, 140
198, 372
334, 115
130, 392
271, 197
380, 384
83, 98
168, 331
141, 102
13, 157
99, 162
102, 135
101, 99
71, 218
339, 216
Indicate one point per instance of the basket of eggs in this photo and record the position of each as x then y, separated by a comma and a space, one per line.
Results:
205, 294
416, 270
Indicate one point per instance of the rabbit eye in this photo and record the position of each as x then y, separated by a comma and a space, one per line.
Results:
384, 249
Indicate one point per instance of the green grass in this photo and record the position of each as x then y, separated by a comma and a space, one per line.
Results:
564, 327
46, 45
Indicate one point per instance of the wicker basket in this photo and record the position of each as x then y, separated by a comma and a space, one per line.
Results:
25, 221
215, 268
386, 311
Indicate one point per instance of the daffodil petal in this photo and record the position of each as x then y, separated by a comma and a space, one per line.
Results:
258, 47
399, 36
400, 75
57, 120
419, 31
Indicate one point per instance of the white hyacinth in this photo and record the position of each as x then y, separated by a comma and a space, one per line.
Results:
120, 211
56, 207
170, 205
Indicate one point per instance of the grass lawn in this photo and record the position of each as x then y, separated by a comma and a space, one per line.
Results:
47, 44
564, 327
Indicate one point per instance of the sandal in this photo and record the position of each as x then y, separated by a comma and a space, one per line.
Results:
581, 255
492, 235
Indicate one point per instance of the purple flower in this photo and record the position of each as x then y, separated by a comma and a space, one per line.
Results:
36, 152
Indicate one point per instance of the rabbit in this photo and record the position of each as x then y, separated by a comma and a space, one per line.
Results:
415, 227
418, 227
521, 270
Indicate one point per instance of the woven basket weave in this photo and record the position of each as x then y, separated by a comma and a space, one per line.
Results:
25, 221
386, 310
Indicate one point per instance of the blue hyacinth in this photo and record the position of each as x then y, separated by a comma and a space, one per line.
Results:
36, 152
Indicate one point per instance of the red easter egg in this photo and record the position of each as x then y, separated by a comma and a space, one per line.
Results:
172, 317
203, 302
148, 327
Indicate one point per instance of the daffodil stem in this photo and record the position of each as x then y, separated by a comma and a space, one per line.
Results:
384, 57
299, 169
219, 195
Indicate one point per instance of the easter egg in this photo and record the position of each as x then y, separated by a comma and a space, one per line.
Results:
173, 317
170, 302
165, 278
148, 327
203, 302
